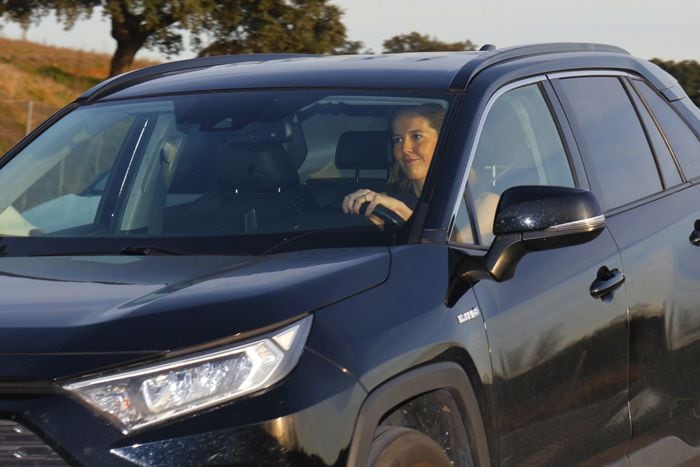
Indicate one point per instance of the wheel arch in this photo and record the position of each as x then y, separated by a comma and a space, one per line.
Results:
383, 400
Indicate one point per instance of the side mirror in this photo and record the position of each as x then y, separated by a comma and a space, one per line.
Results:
532, 218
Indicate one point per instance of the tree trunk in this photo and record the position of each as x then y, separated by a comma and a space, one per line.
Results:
130, 38
123, 57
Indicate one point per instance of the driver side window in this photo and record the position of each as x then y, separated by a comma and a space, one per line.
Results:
519, 145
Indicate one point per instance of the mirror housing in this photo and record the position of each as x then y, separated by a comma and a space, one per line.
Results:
534, 218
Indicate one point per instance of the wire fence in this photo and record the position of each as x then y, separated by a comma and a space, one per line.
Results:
18, 118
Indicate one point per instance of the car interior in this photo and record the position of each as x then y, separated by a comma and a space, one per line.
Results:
202, 166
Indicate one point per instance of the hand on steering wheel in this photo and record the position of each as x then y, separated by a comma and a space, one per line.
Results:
382, 207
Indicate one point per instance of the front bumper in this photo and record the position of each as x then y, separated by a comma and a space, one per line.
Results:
306, 420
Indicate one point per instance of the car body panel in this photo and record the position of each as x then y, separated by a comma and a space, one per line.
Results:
662, 275
560, 358
89, 304
414, 327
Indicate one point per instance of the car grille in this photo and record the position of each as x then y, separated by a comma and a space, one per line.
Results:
20, 447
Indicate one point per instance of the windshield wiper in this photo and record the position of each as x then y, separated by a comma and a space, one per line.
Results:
330, 238
146, 251
281, 245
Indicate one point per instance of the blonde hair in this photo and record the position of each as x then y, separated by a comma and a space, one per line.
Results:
397, 181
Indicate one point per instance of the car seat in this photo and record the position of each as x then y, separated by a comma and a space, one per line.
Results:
257, 189
359, 151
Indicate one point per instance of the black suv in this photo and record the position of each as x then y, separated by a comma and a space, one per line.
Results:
246, 261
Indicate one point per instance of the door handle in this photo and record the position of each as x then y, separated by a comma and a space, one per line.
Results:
606, 282
695, 238
695, 234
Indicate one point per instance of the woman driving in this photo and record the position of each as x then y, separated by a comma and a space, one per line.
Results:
414, 138
415, 133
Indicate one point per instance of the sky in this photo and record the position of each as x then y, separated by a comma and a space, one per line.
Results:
646, 28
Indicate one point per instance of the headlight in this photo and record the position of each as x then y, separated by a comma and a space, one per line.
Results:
153, 393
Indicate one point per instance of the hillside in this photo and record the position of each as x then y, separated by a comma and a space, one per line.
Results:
49, 77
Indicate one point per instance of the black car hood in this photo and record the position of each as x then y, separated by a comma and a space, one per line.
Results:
127, 306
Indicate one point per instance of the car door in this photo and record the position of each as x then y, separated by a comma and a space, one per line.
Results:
652, 212
559, 355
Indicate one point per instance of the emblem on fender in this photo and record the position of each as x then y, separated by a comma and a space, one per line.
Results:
468, 315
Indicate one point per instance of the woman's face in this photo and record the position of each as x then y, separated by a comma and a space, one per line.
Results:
414, 144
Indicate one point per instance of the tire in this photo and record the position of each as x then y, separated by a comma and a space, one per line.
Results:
403, 447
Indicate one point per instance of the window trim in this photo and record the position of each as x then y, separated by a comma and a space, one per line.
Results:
588, 73
646, 200
566, 134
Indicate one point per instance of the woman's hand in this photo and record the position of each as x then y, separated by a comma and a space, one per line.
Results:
354, 201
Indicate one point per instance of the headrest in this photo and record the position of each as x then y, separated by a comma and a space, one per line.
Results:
279, 131
255, 168
364, 150
296, 146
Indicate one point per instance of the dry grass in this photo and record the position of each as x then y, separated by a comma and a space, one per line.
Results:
80, 64
50, 77
17, 84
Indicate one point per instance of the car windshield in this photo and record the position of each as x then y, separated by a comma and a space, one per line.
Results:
232, 172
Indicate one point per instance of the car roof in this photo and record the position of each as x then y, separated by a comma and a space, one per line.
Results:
429, 70
445, 71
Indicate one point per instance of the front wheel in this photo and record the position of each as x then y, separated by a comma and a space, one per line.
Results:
404, 447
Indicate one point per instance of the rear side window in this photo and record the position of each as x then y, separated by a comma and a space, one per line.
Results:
683, 141
664, 160
612, 136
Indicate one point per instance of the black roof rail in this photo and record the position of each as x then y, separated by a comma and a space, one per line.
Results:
130, 78
496, 56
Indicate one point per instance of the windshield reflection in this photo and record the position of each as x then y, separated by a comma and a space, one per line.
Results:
270, 170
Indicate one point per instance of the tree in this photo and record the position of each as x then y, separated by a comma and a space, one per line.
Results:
19, 11
154, 24
416, 42
294, 26
687, 72
232, 26
350, 48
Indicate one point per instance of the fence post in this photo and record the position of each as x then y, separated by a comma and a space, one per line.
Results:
30, 111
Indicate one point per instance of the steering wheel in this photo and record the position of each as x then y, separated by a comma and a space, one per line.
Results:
385, 214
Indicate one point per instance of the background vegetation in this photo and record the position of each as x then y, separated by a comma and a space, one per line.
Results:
687, 72
216, 26
48, 77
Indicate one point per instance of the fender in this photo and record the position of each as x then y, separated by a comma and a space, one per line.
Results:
444, 375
